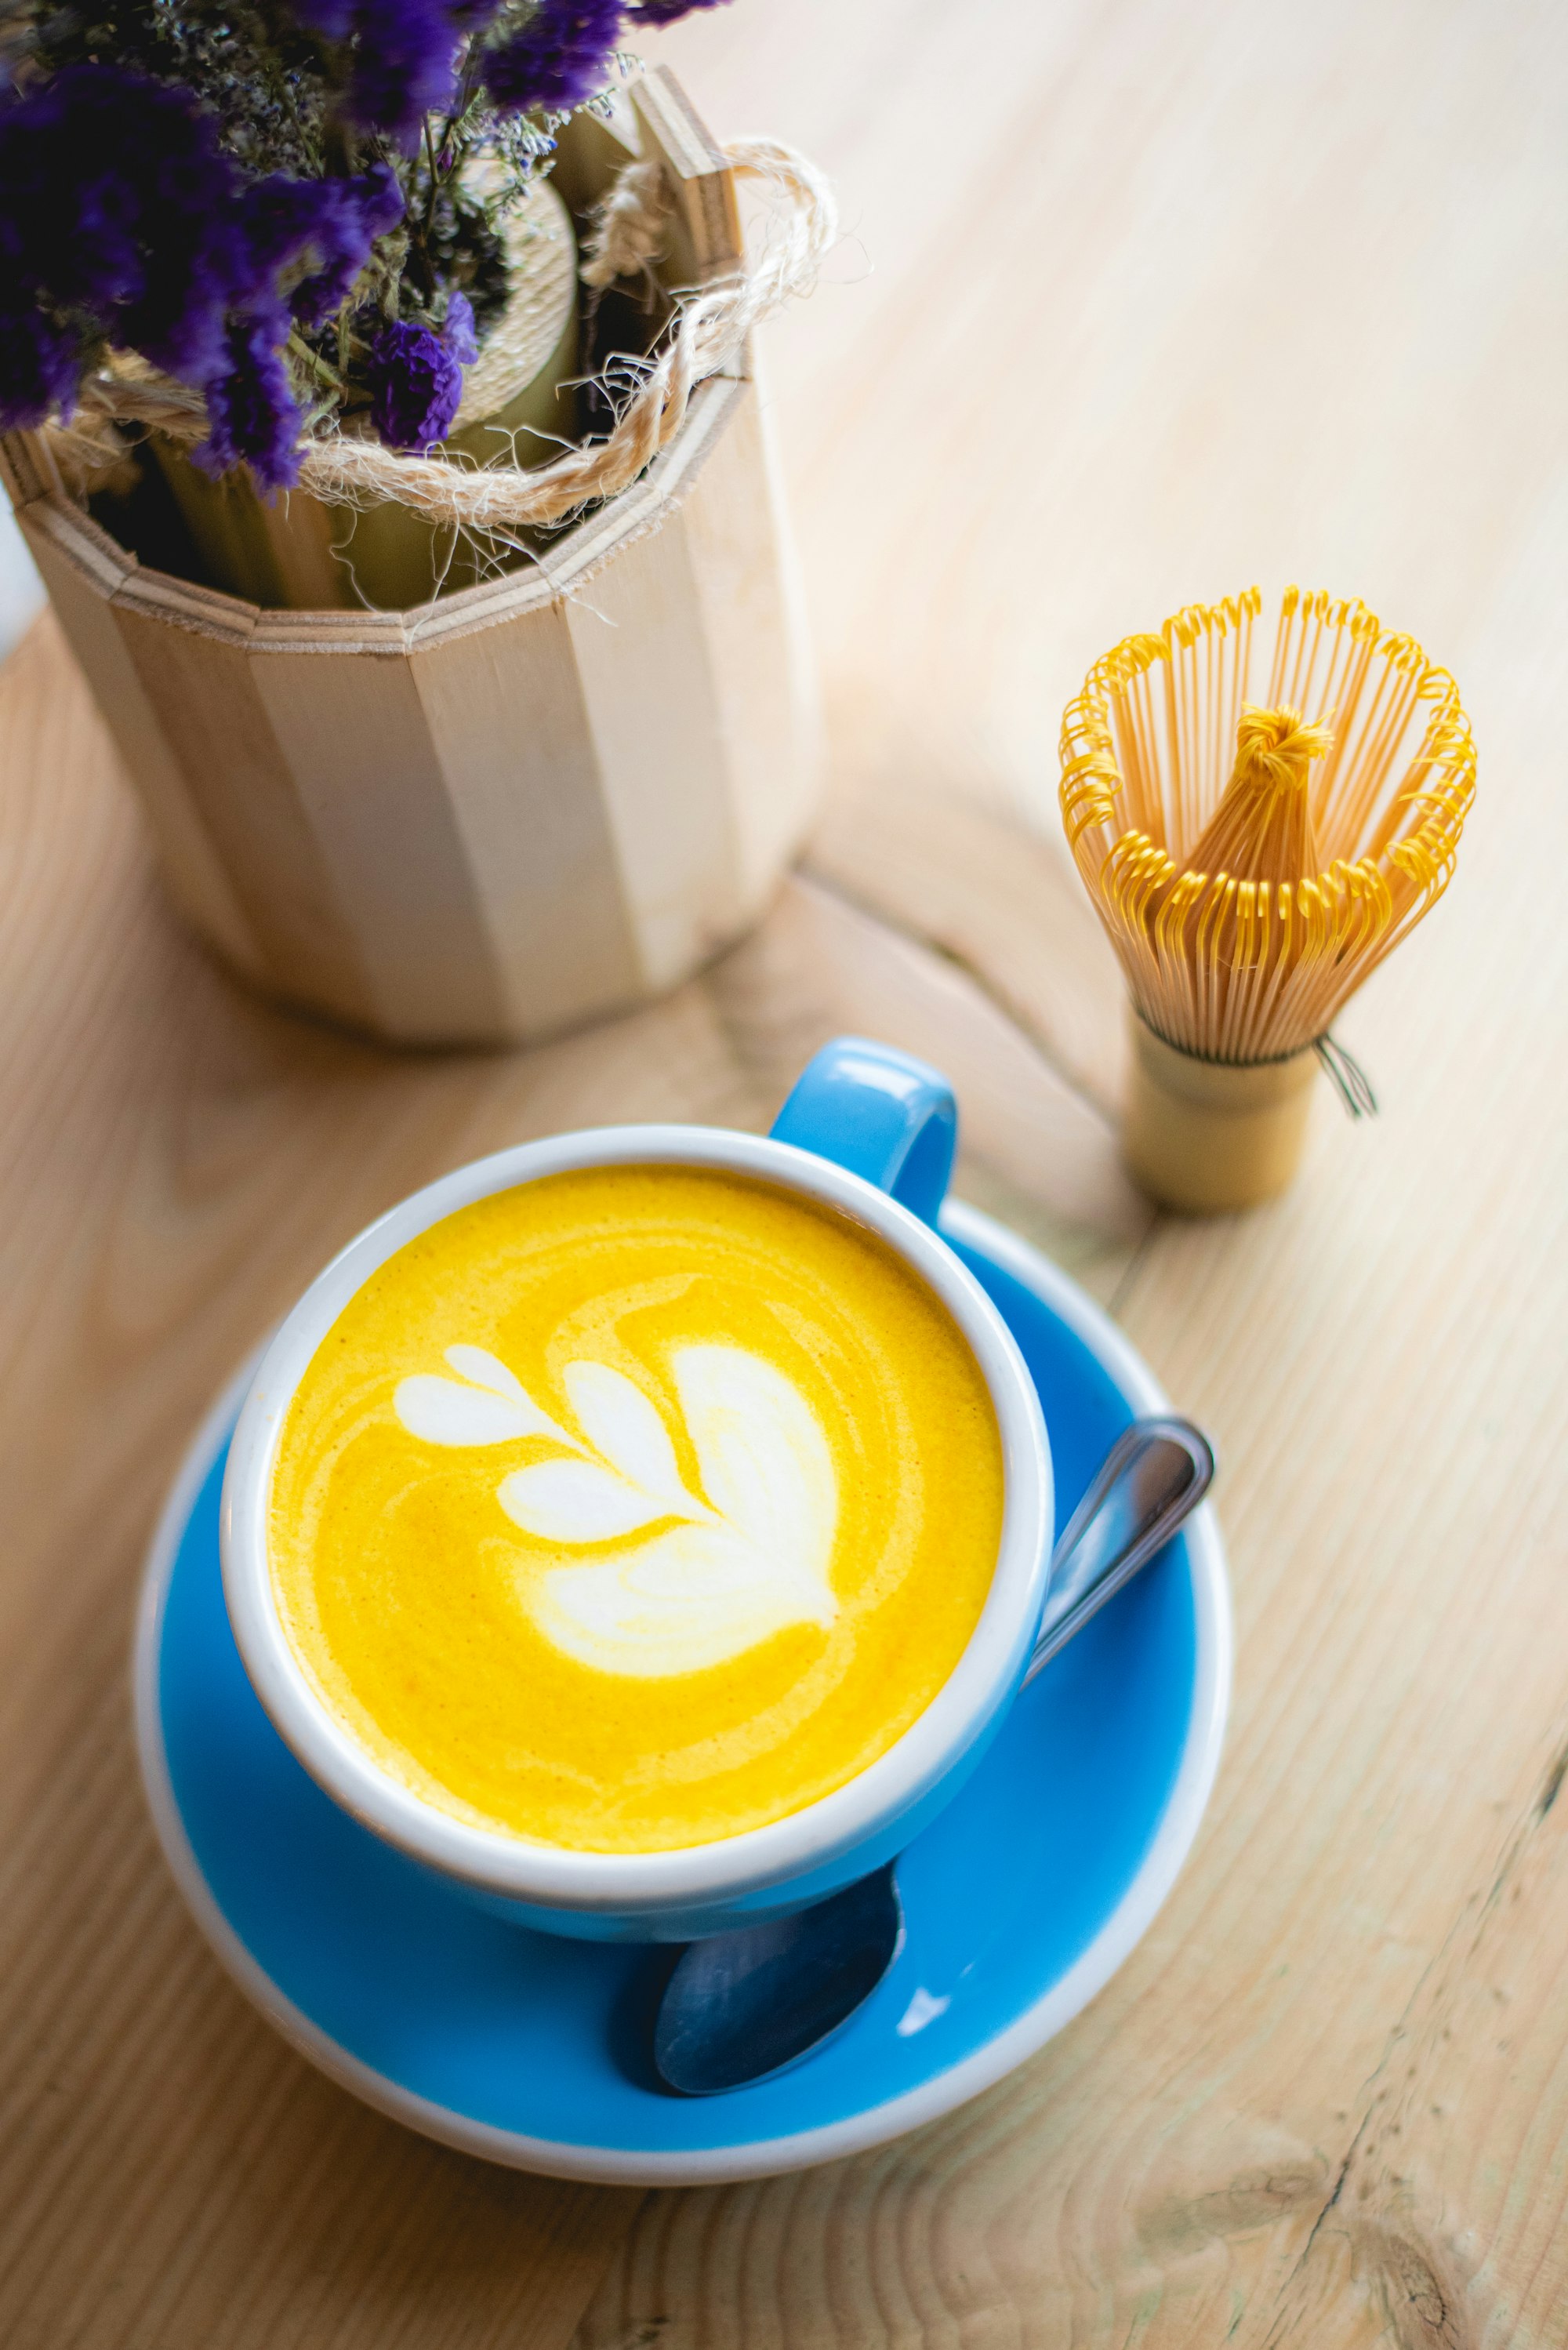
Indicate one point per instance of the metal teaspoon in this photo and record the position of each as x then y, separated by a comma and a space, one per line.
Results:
742, 2004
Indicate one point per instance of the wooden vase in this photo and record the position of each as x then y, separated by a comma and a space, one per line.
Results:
541, 798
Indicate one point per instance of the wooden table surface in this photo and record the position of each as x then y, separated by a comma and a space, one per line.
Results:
1137, 302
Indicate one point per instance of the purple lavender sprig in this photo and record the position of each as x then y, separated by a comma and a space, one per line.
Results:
561, 57
122, 223
666, 12
416, 377
401, 55
216, 189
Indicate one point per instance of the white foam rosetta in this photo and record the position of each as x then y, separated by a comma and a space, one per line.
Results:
692, 1579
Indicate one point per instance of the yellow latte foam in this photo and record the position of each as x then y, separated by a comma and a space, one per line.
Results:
635, 1507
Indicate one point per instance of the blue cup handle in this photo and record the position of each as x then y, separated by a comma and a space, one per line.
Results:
881, 1113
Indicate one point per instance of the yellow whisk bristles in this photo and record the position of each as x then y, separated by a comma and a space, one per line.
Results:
1250, 866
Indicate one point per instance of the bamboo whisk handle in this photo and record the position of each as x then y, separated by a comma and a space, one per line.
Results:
1206, 1137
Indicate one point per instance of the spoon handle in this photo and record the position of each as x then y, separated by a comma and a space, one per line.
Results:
1152, 1478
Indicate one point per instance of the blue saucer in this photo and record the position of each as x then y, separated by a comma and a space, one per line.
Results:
1022, 1900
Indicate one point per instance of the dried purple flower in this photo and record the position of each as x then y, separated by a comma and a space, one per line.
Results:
400, 64
331, 225
172, 181
416, 384
405, 53
122, 221
117, 217
561, 57
666, 11
40, 365
457, 330
334, 223
254, 411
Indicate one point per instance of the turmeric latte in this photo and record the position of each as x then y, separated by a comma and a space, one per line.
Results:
635, 1507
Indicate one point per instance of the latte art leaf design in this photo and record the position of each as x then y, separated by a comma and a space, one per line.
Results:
493, 1407
575, 1502
736, 1567
615, 1415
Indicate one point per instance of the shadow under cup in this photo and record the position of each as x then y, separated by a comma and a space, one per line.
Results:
867, 1131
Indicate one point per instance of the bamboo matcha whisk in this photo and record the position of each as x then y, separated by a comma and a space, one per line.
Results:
1255, 847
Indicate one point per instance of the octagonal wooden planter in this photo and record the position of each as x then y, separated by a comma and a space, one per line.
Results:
528, 802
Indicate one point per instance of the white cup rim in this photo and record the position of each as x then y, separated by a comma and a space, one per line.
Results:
493, 1861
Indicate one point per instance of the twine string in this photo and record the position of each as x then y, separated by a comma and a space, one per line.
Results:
628, 231
706, 333
1339, 1063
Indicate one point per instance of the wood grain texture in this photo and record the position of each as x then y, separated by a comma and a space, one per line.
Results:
988, 893
1266, 294
1293, 2119
703, 241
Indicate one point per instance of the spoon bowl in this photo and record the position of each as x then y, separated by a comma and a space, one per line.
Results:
752, 2002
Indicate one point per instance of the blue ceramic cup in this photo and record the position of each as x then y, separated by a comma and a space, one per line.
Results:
867, 1131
